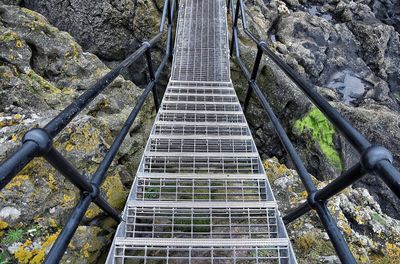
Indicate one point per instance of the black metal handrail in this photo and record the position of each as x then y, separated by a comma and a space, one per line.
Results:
373, 159
38, 142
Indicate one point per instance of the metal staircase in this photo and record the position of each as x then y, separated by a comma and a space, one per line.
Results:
200, 194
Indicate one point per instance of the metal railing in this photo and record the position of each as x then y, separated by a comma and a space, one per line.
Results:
38, 142
373, 159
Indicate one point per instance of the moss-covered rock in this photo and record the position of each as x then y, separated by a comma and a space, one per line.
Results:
42, 70
322, 132
371, 234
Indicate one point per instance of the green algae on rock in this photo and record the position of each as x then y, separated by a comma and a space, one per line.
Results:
322, 131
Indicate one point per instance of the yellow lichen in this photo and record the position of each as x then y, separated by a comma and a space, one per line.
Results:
53, 222
19, 44
92, 212
68, 199
39, 256
85, 250
3, 225
51, 181
50, 239
115, 191
17, 181
69, 147
393, 250
23, 255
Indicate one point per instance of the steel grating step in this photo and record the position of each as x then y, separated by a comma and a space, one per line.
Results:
201, 145
194, 106
201, 220
206, 117
200, 91
199, 189
201, 98
206, 164
187, 129
216, 251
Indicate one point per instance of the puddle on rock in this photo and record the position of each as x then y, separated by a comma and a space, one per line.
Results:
349, 85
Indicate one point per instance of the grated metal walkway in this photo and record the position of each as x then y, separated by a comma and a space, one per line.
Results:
200, 194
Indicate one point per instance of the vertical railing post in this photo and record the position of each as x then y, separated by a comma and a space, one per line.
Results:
234, 26
253, 76
170, 24
228, 6
152, 78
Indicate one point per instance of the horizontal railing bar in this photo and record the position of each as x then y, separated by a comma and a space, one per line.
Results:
10, 167
389, 174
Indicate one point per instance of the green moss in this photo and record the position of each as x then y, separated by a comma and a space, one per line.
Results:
322, 131
42, 82
378, 218
4, 257
312, 246
9, 36
12, 236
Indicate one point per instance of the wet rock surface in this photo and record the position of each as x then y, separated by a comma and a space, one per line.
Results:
42, 69
352, 56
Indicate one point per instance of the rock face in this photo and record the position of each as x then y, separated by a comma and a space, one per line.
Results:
42, 70
110, 29
372, 236
352, 56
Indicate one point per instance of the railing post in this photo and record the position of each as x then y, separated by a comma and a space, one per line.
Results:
253, 76
152, 78
228, 6
234, 25
170, 25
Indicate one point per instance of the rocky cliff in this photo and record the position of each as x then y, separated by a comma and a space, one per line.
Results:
353, 58
42, 69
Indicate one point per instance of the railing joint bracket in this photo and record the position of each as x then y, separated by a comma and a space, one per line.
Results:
373, 155
41, 138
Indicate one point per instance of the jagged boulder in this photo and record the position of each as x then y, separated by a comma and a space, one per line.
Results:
42, 70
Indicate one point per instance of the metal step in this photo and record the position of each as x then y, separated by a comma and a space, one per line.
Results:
200, 194
195, 189
216, 251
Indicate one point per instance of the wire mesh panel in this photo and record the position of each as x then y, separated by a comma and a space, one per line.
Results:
200, 194
266, 251
176, 130
205, 222
200, 190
